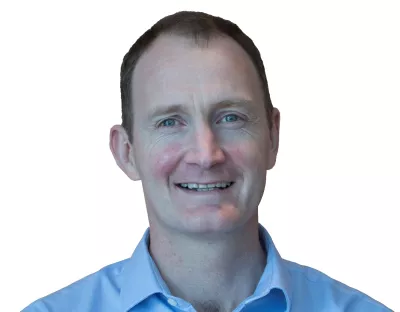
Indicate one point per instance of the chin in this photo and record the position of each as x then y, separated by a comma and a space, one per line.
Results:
210, 218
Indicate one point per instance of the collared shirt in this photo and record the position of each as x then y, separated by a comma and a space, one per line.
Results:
135, 285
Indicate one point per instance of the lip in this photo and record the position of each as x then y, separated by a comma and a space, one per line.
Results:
214, 192
212, 182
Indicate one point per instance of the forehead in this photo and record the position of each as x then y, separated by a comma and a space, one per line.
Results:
174, 70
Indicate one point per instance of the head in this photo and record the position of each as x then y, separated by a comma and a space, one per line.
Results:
196, 113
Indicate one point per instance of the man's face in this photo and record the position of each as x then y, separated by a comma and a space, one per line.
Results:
201, 139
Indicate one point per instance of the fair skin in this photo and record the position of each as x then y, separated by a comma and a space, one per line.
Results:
199, 117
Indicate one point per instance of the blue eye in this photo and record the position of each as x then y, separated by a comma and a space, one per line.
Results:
230, 118
168, 123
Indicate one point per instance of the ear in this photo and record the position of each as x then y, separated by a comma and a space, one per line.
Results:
273, 144
122, 151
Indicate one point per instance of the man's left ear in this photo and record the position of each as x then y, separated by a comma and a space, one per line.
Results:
274, 138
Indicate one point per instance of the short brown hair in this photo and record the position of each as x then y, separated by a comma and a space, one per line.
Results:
199, 26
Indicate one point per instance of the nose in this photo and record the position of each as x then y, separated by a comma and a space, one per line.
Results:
205, 150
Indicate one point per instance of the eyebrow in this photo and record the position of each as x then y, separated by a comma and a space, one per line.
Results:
182, 108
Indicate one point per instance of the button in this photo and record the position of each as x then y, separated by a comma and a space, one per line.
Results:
172, 302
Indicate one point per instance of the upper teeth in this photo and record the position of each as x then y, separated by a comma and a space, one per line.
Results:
205, 186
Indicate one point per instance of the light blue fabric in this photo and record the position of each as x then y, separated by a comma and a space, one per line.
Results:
135, 285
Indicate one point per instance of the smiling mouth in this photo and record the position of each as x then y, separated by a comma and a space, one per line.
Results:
196, 187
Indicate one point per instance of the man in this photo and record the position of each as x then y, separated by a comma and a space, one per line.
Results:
200, 132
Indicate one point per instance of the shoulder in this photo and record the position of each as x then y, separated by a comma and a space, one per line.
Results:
326, 292
101, 287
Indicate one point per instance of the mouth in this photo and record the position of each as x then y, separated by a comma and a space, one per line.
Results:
209, 187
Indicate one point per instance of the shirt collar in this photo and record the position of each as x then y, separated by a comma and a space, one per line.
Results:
141, 277
276, 274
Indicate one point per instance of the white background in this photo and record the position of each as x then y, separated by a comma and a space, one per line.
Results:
331, 202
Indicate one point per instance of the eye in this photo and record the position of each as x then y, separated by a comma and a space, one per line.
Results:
170, 122
230, 118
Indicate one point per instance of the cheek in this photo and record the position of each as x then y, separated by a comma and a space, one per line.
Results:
237, 155
164, 160
247, 154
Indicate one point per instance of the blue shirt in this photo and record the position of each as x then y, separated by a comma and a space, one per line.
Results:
135, 285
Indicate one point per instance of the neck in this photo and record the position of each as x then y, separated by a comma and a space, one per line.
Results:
204, 269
